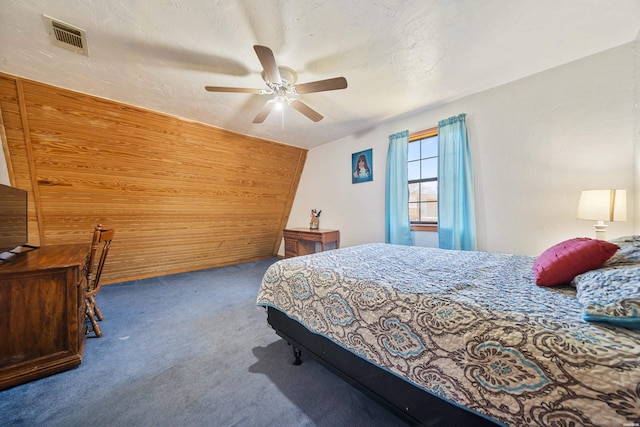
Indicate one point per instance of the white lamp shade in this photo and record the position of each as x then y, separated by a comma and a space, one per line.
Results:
603, 205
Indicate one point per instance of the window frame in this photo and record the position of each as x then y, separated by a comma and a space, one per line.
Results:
426, 133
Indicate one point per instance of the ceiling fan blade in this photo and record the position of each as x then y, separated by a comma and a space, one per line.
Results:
306, 110
268, 61
264, 112
322, 85
232, 89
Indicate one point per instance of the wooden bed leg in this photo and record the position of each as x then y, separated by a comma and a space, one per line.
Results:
297, 353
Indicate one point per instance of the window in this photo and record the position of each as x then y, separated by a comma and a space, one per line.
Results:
423, 180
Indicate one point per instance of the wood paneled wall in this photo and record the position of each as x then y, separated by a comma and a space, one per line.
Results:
181, 195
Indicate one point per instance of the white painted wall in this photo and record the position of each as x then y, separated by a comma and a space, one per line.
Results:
636, 135
4, 172
536, 143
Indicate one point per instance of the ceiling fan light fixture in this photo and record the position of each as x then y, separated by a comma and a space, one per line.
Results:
279, 100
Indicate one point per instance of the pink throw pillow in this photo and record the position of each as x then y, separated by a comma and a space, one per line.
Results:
562, 262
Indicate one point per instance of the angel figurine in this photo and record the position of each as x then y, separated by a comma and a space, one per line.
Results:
315, 219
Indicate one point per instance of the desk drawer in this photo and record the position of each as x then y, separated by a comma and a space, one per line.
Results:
290, 245
290, 248
312, 237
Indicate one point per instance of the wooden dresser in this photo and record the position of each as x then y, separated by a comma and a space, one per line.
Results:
42, 312
302, 241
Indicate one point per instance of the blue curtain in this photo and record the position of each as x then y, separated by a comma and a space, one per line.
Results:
456, 201
398, 225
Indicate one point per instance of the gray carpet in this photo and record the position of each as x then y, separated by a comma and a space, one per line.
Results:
190, 349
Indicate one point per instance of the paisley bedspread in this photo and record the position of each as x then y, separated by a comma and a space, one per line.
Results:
469, 327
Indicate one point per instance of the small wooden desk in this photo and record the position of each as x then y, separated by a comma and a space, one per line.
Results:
302, 241
42, 312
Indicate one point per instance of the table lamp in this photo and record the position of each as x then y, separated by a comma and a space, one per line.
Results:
601, 206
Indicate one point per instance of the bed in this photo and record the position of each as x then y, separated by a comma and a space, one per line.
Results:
467, 338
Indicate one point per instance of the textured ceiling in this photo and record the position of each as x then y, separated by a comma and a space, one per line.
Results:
398, 56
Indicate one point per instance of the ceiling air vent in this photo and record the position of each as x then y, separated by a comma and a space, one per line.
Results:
67, 36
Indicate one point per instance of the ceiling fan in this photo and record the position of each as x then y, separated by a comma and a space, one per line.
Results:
281, 83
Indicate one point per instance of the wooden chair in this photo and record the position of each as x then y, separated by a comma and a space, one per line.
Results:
101, 238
